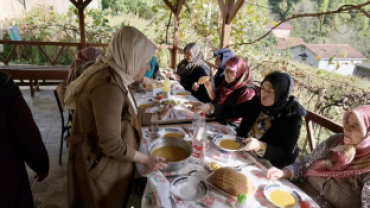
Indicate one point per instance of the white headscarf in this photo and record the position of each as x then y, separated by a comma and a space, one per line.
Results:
128, 51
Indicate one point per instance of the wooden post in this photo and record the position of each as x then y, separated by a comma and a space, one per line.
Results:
176, 10
229, 9
81, 5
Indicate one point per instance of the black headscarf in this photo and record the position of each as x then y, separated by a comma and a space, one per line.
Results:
7, 85
283, 85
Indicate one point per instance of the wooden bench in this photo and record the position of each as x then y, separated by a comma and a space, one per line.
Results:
35, 73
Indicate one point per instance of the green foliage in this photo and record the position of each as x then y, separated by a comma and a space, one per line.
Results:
283, 8
137, 7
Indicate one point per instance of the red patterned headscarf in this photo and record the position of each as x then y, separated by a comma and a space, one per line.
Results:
347, 160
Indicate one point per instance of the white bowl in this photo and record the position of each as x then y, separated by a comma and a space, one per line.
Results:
274, 187
150, 109
188, 93
218, 138
172, 130
189, 188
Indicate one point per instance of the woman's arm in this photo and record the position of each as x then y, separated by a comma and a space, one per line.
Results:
210, 90
107, 103
300, 167
27, 135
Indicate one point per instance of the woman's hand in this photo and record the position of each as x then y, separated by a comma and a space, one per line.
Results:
200, 107
166, 110
213, 70
208, 85
252, 144
155, 162
275, 173
195, 87
175, 77
40, 177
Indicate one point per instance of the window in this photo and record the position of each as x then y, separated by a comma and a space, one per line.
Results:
303, 48
304, 59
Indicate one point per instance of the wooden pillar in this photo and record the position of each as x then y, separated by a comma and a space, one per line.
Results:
229, 9
176, 10
81, 5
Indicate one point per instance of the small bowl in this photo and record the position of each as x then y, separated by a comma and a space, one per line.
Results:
218, 138
165, 133
182, 93
274, 187
189, 188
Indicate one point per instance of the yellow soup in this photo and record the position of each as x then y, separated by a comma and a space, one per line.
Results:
173, 135
230, 144
146, 105
182, 93
171, 153
282, 198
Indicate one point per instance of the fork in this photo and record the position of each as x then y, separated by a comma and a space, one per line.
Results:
240, 167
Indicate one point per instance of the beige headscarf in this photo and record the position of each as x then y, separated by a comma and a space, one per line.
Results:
128, 51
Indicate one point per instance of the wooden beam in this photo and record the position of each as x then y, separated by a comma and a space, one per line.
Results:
82, 23
56, 58
221, 5
15, 42
86, 2
225, 36
10, 55
310, 135
170, 6
47, 56
322, 121
179, 7
74, 3
235, 10
229, 4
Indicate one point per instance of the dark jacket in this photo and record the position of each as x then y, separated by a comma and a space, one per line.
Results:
20, 142
281, 138
187, 82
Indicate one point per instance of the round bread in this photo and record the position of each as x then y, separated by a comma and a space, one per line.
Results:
232, 182
203, 79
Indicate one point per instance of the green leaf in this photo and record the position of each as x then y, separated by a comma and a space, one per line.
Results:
331, 59
275, 23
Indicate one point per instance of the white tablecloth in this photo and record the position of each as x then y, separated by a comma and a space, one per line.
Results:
157, 193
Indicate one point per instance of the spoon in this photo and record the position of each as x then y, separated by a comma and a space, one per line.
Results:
191, 173
240, 167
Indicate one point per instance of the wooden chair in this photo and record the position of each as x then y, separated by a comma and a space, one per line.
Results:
65, 127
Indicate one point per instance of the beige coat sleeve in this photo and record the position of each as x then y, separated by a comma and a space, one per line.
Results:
107, 102
145, 118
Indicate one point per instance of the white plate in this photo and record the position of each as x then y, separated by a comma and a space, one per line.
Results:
163, 132
218, 138
148, 110
189, 188
273, 187
212, 129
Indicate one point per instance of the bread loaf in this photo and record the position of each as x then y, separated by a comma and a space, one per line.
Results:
203, 79
232, 182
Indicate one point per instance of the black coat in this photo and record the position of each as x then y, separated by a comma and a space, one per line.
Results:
187, 82
281, 138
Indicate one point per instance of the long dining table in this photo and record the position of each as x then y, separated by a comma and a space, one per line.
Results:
158, 194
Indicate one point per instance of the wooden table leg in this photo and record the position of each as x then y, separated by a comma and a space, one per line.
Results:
31, 88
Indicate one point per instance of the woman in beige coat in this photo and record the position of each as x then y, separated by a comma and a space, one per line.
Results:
106, 127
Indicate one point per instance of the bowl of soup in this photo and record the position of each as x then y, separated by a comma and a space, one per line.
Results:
183, 93
147, 106
177, 152
282, 196
172, 133
228, 142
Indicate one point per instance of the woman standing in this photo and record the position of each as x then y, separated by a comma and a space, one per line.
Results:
20, 143
271, 123
106, 128
337, 172
191, 69
236, 88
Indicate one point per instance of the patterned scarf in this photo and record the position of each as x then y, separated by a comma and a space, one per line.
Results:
347, 160
185, 68
242, 75
7, 85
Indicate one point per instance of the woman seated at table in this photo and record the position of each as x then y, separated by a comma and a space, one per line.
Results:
236, 88
191, 69
153, 73
337, 172
271, 122
222, 56
106, 128
84, 58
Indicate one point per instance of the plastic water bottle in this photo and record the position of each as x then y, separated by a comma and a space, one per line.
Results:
195, 121
199, 141
166, 88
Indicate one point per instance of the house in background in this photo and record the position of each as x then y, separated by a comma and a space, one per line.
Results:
362, 70
282, 31
318, 55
